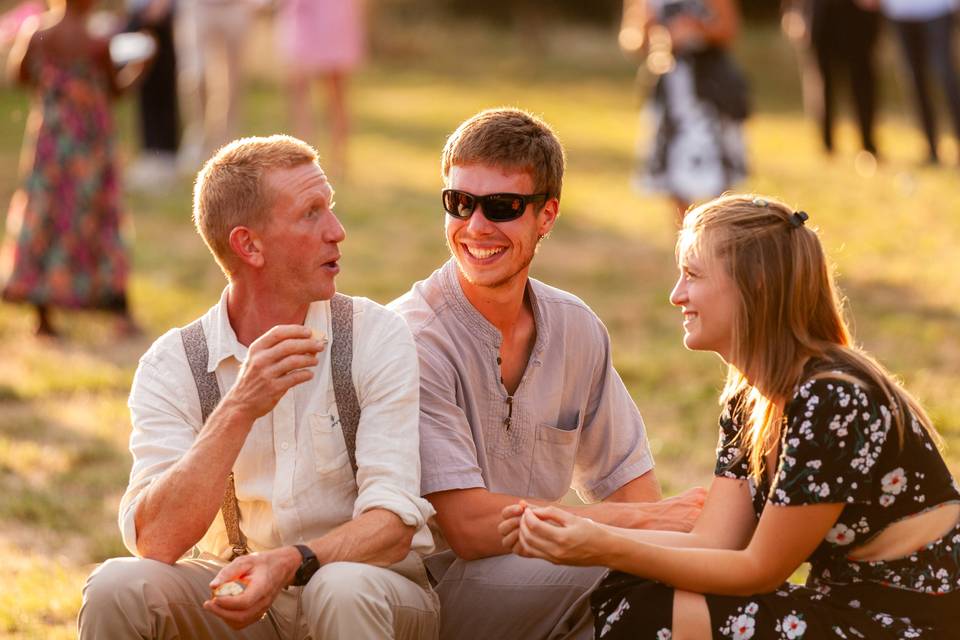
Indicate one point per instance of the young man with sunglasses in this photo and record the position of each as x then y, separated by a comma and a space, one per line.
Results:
519, 399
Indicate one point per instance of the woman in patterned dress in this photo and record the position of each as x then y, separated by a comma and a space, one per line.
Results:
697, 150
823, 458
63, 245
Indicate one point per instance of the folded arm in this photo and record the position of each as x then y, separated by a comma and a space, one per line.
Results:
470, 518
178, 478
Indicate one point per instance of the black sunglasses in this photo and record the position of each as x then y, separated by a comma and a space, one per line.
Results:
497, 207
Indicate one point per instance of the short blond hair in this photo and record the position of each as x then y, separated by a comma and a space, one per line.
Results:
508, 138
230, 192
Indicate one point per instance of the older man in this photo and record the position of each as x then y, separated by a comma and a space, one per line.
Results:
309, 460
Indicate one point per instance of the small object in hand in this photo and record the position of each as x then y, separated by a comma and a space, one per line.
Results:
232, 588
319, 335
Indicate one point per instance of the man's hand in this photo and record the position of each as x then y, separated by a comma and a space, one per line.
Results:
265, 575
277, 361
678, 513
509, 527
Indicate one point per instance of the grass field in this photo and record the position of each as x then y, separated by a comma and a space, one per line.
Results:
892, 234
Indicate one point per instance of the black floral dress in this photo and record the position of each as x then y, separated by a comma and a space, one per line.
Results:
840, 444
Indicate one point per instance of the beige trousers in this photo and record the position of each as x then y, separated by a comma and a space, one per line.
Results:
136, 598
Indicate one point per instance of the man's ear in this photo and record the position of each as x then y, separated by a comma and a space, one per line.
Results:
548, 216
247, 246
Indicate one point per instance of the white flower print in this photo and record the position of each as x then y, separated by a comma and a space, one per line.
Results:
615, 616
664, 634
886, 500
743, 627
751, 609
841, 534
894, 482
794, 627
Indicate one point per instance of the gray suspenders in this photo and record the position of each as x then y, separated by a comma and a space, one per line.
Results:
348, 407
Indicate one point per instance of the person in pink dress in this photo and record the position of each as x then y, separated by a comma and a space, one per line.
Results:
321, 41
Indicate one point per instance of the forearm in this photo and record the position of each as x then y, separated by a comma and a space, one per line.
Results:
378, 537
695, 569
178, 507
469, 519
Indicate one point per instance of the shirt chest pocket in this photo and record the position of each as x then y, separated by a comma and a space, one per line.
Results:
329, 447
554, 454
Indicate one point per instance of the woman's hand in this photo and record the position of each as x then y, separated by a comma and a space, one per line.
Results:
560, 537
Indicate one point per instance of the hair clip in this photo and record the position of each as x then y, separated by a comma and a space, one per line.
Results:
798, 218
759, 202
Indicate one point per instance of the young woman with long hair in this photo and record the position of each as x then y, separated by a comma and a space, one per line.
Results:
823, 458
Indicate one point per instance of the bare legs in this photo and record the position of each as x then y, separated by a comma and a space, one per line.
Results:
338, 117
691, 617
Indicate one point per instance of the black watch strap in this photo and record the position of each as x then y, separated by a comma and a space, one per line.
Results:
308, 566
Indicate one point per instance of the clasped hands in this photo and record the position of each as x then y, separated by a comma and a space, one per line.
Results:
552, 534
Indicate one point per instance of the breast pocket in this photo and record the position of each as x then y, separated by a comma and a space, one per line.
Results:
554, 454
329, 447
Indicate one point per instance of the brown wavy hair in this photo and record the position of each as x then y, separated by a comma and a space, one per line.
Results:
508, 138
788, 316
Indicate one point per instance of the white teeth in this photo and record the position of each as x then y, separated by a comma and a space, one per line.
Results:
482, 254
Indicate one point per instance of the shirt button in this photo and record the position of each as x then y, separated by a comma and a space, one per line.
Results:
284, 445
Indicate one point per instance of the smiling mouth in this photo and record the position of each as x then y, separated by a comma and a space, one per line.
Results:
482, 254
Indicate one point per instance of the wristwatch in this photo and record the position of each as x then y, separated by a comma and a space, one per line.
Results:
307, 568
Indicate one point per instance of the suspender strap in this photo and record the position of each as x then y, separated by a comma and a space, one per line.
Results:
195, 344
341, 363
344, 391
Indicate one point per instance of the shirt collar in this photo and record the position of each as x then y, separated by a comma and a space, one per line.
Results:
474, 320
222, 342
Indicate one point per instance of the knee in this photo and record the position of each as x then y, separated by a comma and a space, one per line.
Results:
105, 587
109, 594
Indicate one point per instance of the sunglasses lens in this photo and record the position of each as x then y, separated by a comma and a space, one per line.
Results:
503, 207
458, 203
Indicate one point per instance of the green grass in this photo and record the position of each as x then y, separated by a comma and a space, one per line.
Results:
63, 421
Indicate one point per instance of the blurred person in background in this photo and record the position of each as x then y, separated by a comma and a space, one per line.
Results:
838, 41
700, 99
63, 246
925, 30
213, 37
321, 40
823, 458
158, 107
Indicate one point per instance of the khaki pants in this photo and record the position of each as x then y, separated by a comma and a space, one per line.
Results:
136, 598
512, 598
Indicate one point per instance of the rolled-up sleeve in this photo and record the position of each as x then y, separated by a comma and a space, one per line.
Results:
387, 379
165, 425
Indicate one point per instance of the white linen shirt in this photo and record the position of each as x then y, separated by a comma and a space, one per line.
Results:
293, 476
